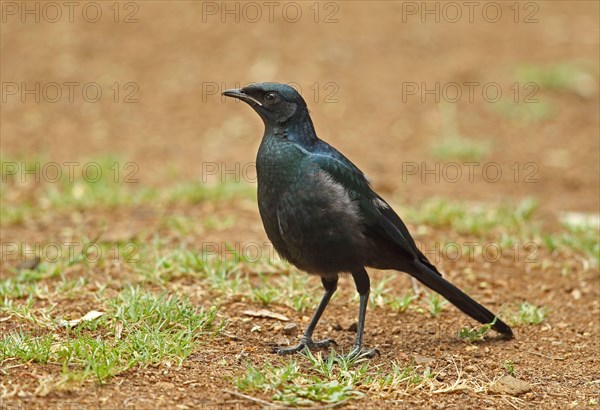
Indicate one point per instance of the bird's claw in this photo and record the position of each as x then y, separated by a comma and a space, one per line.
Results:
358, 351
306, 344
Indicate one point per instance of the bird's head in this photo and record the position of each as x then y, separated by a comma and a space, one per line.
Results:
275, 103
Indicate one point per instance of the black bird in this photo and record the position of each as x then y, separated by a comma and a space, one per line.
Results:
321, 214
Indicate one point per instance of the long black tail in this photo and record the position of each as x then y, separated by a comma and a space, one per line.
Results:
433, 280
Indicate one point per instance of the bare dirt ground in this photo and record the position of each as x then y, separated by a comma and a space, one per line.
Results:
357, 64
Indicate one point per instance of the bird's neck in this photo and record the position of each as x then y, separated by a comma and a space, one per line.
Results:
298, 128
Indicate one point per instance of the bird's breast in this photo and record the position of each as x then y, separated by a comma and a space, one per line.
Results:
309, 217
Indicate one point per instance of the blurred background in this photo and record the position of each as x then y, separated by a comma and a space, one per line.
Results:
478, 121
399, 87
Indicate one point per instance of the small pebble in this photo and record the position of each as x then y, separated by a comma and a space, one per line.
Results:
511, 386
290, 329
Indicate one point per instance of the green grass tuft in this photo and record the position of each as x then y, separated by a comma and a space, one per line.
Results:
528, 314
401, 304
475, 334
140, 328
475, 220
566, 76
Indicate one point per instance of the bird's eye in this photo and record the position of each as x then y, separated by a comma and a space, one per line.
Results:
271, 97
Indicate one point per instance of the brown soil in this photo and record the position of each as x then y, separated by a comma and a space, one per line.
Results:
175, 130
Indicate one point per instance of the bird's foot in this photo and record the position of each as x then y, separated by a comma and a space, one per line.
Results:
358, 351
305, 344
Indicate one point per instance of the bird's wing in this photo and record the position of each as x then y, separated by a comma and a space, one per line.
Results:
378, 216
381, 220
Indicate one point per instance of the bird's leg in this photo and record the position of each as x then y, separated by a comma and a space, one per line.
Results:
306, 341
363, 286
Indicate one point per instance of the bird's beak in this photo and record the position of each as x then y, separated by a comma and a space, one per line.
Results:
240, 95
